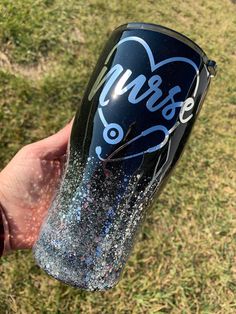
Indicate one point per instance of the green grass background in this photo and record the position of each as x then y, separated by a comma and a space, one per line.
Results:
185, 257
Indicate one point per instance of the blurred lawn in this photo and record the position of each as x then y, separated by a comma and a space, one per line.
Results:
185, 259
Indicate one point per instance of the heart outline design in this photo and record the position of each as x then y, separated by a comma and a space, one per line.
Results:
154, 66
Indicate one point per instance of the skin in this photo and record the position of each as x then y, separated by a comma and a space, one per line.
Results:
28, 184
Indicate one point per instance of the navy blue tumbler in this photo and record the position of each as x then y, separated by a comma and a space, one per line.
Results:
135, 118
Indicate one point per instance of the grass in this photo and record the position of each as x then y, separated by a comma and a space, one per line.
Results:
185, 257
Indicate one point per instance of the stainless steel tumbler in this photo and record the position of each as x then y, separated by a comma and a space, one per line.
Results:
135, 118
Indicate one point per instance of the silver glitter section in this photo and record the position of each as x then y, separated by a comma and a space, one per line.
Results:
90, 228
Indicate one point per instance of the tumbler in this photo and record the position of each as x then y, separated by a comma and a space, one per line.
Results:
135, 118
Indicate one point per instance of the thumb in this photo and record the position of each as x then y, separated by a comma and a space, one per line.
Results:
54, 146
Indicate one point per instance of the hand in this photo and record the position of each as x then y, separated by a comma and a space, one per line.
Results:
28, 184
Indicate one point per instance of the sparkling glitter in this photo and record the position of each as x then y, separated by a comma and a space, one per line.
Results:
98, 251
87, 244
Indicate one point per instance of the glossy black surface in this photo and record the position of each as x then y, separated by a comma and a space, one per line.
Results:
135, 118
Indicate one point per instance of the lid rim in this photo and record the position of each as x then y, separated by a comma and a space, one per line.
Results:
168, 31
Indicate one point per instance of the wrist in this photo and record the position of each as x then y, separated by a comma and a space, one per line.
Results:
6, 226
1, 235
6, 241
7, 236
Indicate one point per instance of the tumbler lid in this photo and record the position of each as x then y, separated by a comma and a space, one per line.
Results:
172, 33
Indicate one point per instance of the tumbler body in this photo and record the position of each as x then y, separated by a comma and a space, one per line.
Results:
135, 118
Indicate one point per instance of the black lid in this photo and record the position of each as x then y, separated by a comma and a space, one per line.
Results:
167, 31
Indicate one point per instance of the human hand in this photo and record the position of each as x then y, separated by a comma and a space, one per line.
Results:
28, 184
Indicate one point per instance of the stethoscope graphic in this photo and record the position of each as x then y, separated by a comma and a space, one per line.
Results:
113, 133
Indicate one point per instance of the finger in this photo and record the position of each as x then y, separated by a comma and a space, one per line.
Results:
54, 146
